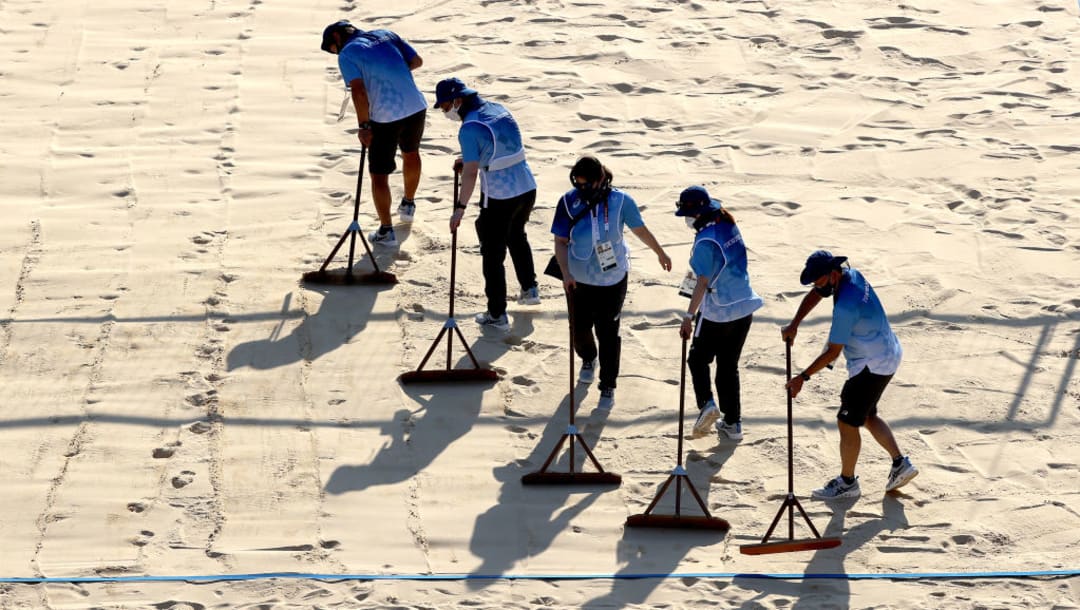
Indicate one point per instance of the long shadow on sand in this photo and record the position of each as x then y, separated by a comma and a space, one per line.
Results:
835, 593
539, 513
416, 438
660, 551
343, 313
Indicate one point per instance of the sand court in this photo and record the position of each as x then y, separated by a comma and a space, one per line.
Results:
178, 405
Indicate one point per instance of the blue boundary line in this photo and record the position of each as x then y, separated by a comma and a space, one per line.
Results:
463, 577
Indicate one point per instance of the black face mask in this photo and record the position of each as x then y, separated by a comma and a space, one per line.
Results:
824, 291
590, 193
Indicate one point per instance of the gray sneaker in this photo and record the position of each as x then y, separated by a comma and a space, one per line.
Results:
836, 489
706, 417
530, 296
485, 320
380, 238
607, 399
901, 475
732, 431
588, 372
406, 210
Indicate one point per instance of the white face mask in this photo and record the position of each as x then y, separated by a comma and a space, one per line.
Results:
452, 114
690, 220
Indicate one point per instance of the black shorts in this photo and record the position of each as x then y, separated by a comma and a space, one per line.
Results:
387, 138
859, 398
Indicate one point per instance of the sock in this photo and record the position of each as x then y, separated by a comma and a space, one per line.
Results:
408, 201
384, 229
847, 480
899, 460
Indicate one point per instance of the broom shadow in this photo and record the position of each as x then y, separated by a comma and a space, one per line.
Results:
833, 592
536, 515
343, 313
416, 438
661, 550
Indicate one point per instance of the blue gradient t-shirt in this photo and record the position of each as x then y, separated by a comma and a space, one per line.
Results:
860, 325
380, 58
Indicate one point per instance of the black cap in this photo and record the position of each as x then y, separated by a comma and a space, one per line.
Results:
328, 33
818, 264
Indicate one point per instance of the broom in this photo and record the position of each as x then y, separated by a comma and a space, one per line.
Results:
543, 476
450, 374
679, 476
790, 503
338, 277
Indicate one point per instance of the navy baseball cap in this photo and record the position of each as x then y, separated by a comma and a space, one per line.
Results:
695, 200
328, 33
818, 264
450, 89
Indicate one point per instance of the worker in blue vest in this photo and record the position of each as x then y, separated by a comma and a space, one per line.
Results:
594, 262
492, 154
722, 303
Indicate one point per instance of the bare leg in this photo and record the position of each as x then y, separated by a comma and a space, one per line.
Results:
850, 443
411, 169
883, 435
380, 192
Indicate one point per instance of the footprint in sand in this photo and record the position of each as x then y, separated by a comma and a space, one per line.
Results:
185, 478
165, 452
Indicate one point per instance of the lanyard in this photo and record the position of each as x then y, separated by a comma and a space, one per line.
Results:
596, 228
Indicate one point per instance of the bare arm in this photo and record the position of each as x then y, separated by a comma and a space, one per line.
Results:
469, 172
794, 385
809, 302
647, 238
363, 113
415, 62
360, 100
695, 302
562, 256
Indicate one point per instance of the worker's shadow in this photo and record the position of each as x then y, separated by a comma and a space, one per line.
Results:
343, 313
416, 438
527, 518
834, 592
647, 550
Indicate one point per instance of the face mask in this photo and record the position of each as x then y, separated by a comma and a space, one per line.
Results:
690, 220
452, 114
825, 291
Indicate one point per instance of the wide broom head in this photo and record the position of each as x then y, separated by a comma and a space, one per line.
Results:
338, 277
449, 376
571, 478
789, 546
692, 522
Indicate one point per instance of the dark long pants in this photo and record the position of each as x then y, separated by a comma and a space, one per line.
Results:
501, 227
599, 308
722, 341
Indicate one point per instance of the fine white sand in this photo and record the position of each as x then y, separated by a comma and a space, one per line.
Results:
177, 404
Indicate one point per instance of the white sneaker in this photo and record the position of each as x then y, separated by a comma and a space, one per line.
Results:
607, 399
588, 372
901, 475
388, 239
706, 417
485, 320
406, 210
530, 296
836, 489
732, 431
